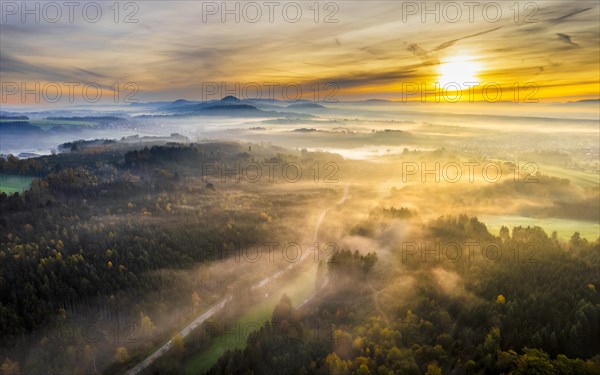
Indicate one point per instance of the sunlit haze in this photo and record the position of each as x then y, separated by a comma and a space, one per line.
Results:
299, 187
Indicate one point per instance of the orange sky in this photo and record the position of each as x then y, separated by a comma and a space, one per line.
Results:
375, 49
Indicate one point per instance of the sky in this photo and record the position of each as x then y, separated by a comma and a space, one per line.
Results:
347, 50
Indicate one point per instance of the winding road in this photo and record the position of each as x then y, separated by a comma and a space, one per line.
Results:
220, 305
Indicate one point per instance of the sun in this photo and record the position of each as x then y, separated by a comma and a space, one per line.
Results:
460, 71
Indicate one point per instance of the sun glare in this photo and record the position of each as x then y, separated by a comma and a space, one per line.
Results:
458, 70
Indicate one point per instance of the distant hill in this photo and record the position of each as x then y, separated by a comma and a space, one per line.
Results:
230, 99
18, 128
235, 107
229, 106
179, 103
182, 101
306, 106
222, 109
377, 100
88, 118
11, 117
585, 101
16, 124
150, 104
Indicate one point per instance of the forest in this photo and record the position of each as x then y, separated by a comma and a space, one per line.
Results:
507, 317
300, 187
100, 257
104, 227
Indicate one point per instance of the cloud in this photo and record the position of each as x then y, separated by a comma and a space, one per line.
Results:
555, 15
16, 67
451, 42
567, 39
429, 58
423, 55
375, 77
170, 49
562, 18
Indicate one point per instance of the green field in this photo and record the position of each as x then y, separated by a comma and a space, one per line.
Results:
564, 227
579, 178
14, 183
298, 289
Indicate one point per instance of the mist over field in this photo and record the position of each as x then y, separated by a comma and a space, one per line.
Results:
373, 211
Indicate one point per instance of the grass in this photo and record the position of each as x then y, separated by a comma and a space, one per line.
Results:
10, 184
298, 289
